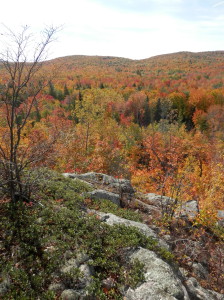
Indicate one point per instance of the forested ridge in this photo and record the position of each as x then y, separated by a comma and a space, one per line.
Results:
158, 121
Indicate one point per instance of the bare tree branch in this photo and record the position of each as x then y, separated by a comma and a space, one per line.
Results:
21, 61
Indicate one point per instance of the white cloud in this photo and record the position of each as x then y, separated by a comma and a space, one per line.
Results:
218, 4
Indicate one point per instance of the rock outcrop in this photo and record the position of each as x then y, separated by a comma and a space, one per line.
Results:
220, 215
122, 185
5, 284
195, 291
188, 209
163, 281
102, 194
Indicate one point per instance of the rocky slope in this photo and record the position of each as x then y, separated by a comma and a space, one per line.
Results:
92, 236
162, 280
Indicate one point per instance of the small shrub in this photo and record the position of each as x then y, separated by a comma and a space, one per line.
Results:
109, 207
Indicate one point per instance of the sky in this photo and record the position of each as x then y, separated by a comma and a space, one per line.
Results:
135, 29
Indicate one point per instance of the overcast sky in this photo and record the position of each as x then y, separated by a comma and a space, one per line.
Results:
126, 28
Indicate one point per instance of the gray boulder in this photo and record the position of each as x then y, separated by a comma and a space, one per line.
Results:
123, 185
150, 209
79, 265
87, 273
196, 292
199, 271
102, 194
56, 287
90, 176
166, 204
81, 258
220, 215
188, 209
159, 200
70, 295
69, 265
4, 285
161, 283
73, 263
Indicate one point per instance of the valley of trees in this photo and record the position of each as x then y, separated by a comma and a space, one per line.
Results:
158, 121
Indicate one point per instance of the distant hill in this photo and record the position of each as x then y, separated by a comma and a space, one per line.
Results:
84, 60
173, 72
208, 57
165, 66
182, 61
178, 57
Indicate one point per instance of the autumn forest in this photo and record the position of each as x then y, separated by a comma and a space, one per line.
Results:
157, 121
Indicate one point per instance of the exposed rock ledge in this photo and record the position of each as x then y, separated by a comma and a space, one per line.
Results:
162, 281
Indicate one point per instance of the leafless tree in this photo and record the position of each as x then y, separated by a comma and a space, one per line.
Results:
20, 67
